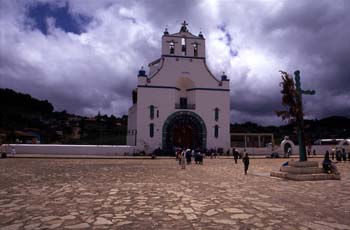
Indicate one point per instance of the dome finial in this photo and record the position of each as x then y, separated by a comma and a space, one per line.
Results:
200, 33
166, 30
224, 76
142, 72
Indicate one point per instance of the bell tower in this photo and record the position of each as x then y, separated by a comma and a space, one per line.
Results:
183, 43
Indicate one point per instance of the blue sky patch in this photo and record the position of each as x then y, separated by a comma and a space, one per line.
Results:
228, 39
40, 12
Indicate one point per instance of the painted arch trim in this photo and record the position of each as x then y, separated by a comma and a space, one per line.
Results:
181, 113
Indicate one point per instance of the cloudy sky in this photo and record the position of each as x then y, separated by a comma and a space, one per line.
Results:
83, 55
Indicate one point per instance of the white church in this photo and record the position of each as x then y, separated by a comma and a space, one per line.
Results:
180, 103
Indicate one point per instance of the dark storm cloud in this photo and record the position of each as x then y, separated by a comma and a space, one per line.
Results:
255, 104
316, 39
86, 66
81, 73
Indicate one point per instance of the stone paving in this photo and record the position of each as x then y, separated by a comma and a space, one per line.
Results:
157, 194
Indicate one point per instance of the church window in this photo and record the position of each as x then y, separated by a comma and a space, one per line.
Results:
151, 130
157, 113
183, 44
216, 114
195, 49
172, 47
183, 103
216, 131
151, 112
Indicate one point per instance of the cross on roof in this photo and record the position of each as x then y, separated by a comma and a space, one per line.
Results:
183, 27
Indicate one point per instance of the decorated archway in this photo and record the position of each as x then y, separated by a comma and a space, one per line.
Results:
287, 143
184, 129
344, 144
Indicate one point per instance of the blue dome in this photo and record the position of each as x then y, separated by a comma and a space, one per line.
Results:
224, 77
142, 72
200, 34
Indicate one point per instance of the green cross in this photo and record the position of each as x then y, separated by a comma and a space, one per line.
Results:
300, 116
297, 83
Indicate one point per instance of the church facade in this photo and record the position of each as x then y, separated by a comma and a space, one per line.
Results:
180, 103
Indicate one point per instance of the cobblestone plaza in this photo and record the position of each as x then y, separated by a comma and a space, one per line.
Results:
157, 194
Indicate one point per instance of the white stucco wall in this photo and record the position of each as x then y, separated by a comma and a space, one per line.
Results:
161, 99
49, 149
207, 95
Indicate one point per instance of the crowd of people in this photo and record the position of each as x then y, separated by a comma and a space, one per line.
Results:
339, 154
185, 156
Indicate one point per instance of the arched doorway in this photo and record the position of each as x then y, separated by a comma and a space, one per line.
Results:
184, 129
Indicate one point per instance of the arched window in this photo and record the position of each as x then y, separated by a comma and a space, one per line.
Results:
216, 131
151, 112
151, 130
172, 48
183, 45
216, 114
195, 49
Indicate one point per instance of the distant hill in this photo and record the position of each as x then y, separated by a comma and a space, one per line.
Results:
20, 110
11, 101
25, 118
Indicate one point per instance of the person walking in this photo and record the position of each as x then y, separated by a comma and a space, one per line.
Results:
235, 155
343, 154
179, 155
309, 150
188, 156
246, 163
338, 155
183, 159
289, 152
333, 153
13, 151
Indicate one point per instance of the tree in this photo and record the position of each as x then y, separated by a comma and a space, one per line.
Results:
292, 99
288, 98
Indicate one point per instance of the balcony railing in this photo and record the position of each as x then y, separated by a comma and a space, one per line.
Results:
185, 106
